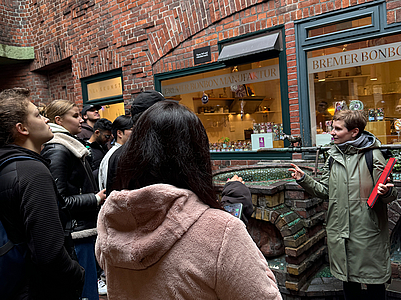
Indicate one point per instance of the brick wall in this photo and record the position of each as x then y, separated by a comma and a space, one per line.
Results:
14, 75
144, 38
13, 24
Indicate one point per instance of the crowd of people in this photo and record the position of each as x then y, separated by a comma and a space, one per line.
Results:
132, 202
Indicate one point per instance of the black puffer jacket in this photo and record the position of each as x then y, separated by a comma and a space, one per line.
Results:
30, 213
74, 178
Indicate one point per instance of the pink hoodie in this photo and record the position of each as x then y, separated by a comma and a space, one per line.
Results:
161, 242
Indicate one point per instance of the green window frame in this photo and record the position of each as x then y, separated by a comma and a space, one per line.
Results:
101, 77
379, 27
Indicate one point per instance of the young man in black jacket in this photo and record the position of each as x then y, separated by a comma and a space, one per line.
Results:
98, 144
30, 204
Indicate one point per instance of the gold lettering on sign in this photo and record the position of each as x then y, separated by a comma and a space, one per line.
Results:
105, 88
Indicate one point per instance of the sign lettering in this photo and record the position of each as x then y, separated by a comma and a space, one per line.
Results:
226, 80
365, 56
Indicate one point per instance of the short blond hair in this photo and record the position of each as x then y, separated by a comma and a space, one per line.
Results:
352, 119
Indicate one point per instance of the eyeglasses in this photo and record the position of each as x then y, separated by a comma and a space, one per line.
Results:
107, 136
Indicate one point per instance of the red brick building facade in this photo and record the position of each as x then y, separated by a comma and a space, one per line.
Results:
80, 38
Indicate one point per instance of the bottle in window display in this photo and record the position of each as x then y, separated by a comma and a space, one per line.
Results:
380, 114
256, 128
372, 115
262, 128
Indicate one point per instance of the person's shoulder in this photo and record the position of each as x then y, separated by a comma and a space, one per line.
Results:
54, 147
24, 168
116, 154
220, 218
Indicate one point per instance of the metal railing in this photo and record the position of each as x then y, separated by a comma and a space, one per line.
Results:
320, 149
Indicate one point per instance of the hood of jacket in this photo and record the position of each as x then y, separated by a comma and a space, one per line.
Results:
12, 150
87, 126
63, 137
136, 228
364, 142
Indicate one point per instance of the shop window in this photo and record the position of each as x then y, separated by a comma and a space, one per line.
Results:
104, 88
239, 106
340, 26
364, 75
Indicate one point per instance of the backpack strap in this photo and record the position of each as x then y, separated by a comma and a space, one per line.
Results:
10, 159
369, 161
331, 160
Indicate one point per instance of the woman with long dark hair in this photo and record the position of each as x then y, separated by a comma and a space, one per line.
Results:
164, 235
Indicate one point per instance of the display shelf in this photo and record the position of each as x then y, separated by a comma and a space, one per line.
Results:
215, 99
266, 112
248, 98
384, 94
341, 78
215, 114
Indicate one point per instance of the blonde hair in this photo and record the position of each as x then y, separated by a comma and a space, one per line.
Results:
57, 108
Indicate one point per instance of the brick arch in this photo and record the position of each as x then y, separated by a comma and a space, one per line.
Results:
185, 19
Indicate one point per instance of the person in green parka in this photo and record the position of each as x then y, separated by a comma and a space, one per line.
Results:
357, 235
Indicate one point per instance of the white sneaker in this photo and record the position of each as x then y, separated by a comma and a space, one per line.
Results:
101, 287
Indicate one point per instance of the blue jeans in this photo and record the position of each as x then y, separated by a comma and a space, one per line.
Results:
85, 249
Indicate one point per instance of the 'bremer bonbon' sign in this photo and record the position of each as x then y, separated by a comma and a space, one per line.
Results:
360, 57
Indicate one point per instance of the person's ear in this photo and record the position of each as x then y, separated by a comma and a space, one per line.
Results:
97, 132
85, 117
355, 132
21, 129
57, 119
120, 134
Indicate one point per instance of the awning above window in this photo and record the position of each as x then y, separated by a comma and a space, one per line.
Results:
251, 47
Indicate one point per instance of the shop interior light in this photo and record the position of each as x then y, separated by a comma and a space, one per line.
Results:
331, 110
321, 76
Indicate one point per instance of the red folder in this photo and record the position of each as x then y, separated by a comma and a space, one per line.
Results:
382, 179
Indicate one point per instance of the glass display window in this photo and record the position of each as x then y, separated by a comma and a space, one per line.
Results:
239, 106
364, 75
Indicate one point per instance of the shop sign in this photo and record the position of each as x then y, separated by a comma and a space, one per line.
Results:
105, 88
202, 55
221, 81
359, 57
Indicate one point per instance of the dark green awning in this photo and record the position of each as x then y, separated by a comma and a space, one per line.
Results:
250, 47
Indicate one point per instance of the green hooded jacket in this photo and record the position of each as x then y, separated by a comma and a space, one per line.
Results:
357, 235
